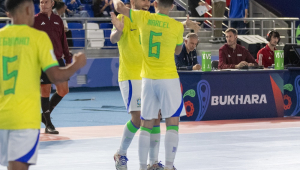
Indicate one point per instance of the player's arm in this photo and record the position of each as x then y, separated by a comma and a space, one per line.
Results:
121, 8
61, 74
178, 49
191, 24
117, 32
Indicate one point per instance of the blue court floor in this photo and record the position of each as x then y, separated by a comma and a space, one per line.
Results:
211, 145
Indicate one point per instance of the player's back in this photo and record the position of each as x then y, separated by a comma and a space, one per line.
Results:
160, 35
20, 75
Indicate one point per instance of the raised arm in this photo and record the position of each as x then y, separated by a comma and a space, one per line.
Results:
191, 24
121, 8
117, 32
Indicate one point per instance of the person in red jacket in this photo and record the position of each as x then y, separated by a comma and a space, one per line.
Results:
53, 25
232, 55
265, 56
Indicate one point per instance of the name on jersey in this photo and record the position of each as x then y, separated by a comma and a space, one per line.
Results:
158, 23
13, 41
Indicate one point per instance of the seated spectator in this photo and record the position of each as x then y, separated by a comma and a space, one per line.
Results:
187, 59
2, 9
232, 55
102, 8
265, 56
74, 9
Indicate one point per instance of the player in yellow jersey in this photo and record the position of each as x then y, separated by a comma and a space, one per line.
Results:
24, 51
161, 37
128, 37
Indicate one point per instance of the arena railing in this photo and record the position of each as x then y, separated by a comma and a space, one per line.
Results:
262, 29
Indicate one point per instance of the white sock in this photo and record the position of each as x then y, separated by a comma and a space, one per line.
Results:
128, 134
171, 145
144, 145
154, 145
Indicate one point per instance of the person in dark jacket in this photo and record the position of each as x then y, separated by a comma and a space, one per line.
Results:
232, 55
53, 25
2, 9
187, 59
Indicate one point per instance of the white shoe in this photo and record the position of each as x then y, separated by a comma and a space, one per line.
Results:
171, 169
156, 166
120, 162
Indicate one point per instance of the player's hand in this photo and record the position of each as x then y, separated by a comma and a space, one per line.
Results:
197, 67
192, 24
79, 59
119, 25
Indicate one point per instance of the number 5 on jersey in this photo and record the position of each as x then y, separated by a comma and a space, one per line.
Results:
153, 45
7, 76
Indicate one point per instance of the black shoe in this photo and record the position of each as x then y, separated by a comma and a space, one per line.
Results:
50, 129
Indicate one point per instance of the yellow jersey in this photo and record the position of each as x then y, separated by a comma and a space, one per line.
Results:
160, 35
131, 54
24, 51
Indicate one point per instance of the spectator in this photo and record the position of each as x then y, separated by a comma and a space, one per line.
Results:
239, 9
187, 59
75, 9
152, 9
102, 8
265, 56
192, 7
59, 9
218, 10
232, 55
2, 9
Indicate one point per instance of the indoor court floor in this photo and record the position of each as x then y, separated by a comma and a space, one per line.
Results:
91, 125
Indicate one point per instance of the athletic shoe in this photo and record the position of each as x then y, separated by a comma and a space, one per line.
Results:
214, 40
156, 166
50, 129
171, 169
120, 162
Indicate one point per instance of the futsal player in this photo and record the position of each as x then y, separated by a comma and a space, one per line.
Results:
24, 51
161, 36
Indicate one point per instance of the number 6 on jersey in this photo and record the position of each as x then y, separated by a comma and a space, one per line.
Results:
153, 45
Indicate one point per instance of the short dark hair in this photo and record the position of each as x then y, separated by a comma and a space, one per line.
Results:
165, 3
59, 5
12, 5
234, 31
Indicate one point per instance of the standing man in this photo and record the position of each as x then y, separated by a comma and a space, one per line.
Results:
161, 36
218, 10
127, 35
265, 56
239, 9
187, 59
53, 25
24, 52
232, 55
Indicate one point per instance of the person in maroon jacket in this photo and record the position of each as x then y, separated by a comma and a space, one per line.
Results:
232, 55
265, 56
53, 25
